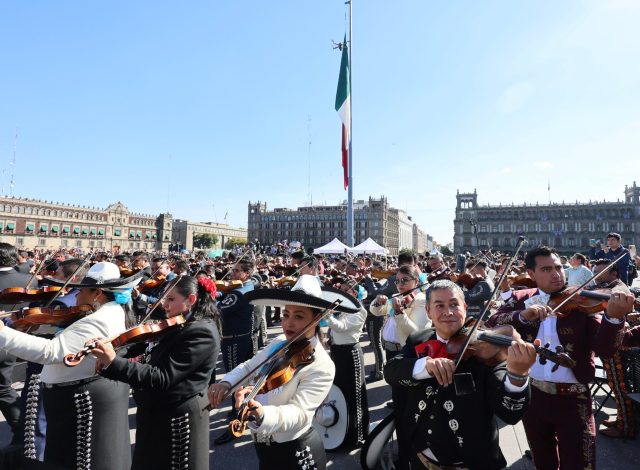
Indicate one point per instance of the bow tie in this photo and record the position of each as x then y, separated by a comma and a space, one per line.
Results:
432, 348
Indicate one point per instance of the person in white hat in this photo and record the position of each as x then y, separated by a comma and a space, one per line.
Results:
82, 408
282, 418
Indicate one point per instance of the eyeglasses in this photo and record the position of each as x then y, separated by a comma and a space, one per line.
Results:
404, 280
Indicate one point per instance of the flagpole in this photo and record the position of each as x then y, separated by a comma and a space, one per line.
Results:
350, 238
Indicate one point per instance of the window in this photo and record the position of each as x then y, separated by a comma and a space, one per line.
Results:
42, 241
117, 232
65, 229
29, 227
54, 229
100, 231
85, 231
43, 228
76, 230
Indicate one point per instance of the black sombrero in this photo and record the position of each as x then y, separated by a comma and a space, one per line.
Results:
103, 275
306, 292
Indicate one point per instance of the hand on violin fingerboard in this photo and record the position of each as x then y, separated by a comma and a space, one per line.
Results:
536, 313
103, 352
620, 304
442, 369
521, 356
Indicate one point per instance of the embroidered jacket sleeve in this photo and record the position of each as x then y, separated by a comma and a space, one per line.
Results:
183, 357
508, 403
481, 292
379, 310
399, 370
387, 289
413, 319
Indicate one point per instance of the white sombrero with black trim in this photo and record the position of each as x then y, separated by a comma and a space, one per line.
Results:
306, 292
103, 275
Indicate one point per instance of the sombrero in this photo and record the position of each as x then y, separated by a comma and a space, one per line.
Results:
103, 275
306, 292
331, 419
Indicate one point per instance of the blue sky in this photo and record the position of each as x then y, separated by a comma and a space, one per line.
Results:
200, 107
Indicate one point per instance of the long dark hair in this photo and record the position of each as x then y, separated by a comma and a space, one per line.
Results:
205, 306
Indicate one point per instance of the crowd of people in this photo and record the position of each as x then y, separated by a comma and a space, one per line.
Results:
94, 327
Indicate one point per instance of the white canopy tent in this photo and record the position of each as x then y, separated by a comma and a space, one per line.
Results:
368, 246
335, 246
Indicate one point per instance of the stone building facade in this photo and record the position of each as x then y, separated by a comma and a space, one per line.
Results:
183, 232
569, 227
315, 226
31, 223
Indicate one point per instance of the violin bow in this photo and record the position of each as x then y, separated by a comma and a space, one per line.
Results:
281, 351
68, 281
587, 282
157, 303
485, 310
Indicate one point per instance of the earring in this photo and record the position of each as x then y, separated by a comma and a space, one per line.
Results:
95, 304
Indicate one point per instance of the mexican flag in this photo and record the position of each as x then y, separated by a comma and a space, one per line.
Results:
344, 110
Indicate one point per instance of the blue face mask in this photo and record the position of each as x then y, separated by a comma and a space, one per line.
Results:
122, 296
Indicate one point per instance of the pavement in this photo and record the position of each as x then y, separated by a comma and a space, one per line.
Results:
611, 453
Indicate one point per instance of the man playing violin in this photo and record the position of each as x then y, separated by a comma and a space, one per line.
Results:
148, 292
559, 424
237, 326
445, 427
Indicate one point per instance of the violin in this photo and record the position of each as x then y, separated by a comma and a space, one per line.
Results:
228, 286
14, 295
440, 273
278, 373
26, 318
586, 301
128, 272
522, 280
286, 281
468, 280
138, 334
151, 283
490, 346
382, 273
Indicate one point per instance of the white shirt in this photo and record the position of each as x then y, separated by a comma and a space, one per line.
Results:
548, 333
105, 322
578, 276
289, 410
347, 327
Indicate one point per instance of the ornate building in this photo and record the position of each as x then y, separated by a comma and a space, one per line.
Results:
183, 232
31, 223
315, 226
569, 227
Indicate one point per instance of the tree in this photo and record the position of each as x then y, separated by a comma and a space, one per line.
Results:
204, 240
231, 242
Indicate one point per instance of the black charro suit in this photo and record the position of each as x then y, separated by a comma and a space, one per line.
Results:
9, 399
170, 387
457, 429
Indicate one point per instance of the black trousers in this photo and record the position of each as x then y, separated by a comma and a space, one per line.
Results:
173, 437
88, 425
374, 330
235, 351
305, 452
9, 398
349, 378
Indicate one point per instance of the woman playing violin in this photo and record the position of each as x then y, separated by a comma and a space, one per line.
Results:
169, 383
281, 419
82, 407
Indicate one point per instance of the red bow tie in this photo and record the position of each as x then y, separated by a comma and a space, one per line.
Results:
432, 348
